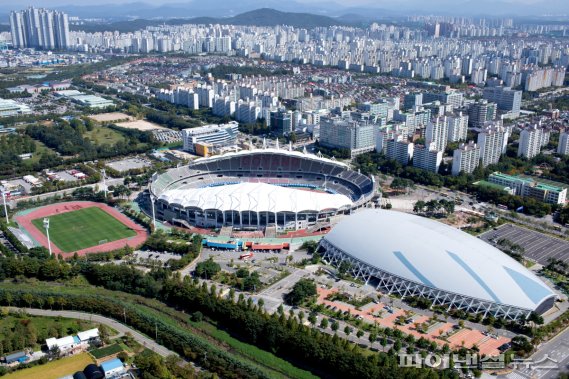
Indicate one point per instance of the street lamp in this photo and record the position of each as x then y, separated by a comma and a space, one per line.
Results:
5, 207
46, 227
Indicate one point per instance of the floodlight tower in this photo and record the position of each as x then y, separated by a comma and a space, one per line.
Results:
104, 173
5, 207
152, 200
46, 227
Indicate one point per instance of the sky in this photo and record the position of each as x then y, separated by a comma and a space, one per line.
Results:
374, 3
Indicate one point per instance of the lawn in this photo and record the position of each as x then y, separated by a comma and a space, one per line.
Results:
77, 230
56, 369
101, 135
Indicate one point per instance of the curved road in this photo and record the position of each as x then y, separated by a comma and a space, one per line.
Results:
121, 328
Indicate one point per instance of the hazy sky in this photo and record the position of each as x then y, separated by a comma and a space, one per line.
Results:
348, 3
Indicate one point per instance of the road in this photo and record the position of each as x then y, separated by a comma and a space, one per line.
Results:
121, 328
68, 191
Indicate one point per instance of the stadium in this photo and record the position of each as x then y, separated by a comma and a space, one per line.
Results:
408, 255
255, 189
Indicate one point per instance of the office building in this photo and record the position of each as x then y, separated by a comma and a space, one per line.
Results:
563, 147
492, 141
427, 158
532, 139
457, 126
436, 134
40, 29
356, 136
544, 191
481, 112
454, 98
412, 100
506, 99
281, 122
399, 149
215, 135
466, 158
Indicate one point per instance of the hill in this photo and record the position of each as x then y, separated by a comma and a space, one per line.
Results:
258, 17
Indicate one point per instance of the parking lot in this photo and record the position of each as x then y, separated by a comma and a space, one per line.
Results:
537, 246
129, 164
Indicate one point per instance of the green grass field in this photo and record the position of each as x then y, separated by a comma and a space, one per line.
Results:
55, 369
83, 228
106, 351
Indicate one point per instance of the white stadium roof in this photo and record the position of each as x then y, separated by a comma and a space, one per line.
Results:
255, 197
437, 256
283, 151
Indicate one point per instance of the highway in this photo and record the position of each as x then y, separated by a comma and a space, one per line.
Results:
121, 328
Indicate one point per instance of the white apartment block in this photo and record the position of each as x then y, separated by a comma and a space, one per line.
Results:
466, 158
457, 126
399, 149
563, 147
427, 158
436, 134
532, 139
492, 141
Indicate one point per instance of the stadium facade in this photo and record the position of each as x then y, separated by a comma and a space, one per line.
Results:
253, 189
408, 255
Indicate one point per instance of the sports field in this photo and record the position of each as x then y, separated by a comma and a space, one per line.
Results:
83, 228
55, 369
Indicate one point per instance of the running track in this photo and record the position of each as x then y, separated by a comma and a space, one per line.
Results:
25, 221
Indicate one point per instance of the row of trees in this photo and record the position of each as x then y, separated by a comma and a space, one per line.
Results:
327, 355
434, 207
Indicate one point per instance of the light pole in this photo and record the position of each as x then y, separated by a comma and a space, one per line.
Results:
104, 173
152, 200
5, 207
46, 226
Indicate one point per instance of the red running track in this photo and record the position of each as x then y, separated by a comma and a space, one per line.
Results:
25, 221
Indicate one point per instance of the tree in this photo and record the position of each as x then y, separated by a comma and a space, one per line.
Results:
207, 269
312, 319
302, 290
419, 206
359, 333
28, 298
324, 323
348, 330
335, 326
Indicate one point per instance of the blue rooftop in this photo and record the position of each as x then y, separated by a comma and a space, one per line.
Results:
111, 365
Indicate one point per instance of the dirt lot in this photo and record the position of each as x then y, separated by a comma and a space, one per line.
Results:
110, 117
140, 125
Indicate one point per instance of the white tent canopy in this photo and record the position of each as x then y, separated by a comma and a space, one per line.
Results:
255, 197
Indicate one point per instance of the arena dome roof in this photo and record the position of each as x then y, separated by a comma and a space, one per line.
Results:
255, 197
438, 256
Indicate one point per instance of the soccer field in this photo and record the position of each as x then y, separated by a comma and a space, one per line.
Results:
87, 227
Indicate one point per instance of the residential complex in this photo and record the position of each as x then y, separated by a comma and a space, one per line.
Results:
532, 139
492, 140
466, 158
40, 28
427, 158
